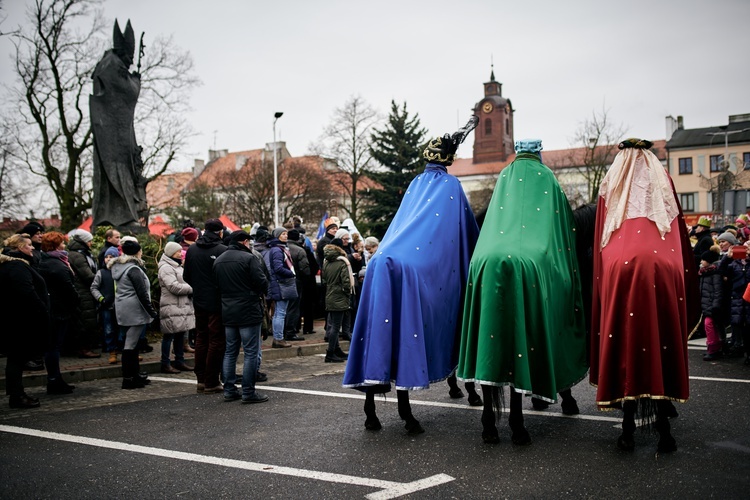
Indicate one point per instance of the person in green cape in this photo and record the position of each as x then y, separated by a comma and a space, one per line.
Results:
523, 320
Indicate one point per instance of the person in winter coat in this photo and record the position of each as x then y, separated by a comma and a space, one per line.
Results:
133, 308
25, 306
58, 276
337, 274
283, 285
705, 240
111, 240
210, 341
176, 312
188, 236
301, 271
737, 272
243, 283
84, 267
332, 227
711, 287
103, 291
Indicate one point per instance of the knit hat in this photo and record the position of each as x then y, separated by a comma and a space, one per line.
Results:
341, 233
717, 230
214, 225
171, 248
329, 222
293, 234
239, 237
739, 222
710, 256
84, 236
128, 238
337, 242
112, 252
261, 235
190, 234
729, 238
278, 231
31, 229
704, 221
131, 247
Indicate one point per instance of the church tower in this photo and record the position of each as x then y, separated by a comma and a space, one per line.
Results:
493, 137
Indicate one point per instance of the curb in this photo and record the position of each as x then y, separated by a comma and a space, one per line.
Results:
37, 379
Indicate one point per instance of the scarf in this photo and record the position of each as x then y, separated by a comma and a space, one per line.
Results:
62, 256
351, 273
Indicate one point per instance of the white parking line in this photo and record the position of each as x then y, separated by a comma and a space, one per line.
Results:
718, 379
387, 489
413, 401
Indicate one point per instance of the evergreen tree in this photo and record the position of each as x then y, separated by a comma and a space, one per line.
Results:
398, 149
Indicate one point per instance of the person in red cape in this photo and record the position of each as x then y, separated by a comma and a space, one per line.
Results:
644, 294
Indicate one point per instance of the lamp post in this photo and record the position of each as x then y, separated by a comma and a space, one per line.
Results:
276, 116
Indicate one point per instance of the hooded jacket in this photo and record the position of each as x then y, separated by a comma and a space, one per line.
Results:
243, 284
283, 285
338, 278
199, 263
84, 266
133, 296
176, 312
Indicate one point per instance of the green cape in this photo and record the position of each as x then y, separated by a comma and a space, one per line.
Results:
523, 322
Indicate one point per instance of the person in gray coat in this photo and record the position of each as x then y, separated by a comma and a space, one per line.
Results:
132, 307
176, 313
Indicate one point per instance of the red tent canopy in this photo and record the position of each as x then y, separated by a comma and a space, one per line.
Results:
229, 224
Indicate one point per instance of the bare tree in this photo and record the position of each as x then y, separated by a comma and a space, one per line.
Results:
53, 66
14, 184
346, 141
598, 137
200, 202
304, 189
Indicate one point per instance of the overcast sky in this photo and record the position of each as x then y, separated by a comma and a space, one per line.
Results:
558, 62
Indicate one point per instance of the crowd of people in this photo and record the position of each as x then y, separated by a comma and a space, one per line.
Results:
218, 290
724, 273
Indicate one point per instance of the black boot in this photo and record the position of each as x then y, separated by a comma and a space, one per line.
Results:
130, 377
58, 386
489, 429
332, 358
404, 411
372, 423
341, 354
519, 434
474, 398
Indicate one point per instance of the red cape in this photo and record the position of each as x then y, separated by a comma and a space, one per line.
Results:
645, 297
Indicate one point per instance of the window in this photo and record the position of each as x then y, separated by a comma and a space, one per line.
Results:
715, 162
687, 200
487, 126
746, 160
507, 126
686, 166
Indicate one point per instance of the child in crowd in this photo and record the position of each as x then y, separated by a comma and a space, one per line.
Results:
711, 286
103, 290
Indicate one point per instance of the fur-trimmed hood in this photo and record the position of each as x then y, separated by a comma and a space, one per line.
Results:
7, 258
332, 252
122, 263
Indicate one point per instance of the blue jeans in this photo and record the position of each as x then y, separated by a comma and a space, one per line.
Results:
249, 337
279, 315
110, 337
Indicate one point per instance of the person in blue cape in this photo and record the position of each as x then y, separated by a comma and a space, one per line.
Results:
408, 319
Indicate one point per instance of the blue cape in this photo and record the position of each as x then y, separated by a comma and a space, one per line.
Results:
408, 317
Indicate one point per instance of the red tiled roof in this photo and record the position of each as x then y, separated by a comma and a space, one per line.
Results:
164, 191
218, 169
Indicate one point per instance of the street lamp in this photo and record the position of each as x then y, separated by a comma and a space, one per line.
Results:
276, 116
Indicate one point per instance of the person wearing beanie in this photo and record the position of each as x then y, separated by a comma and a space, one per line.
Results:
103, 291
711, 293
35, 232
242, 282
337, 274
210, 341
176, 314
332, 228
84, 266
705, 240
292, 323
283, 284
133, 308
409, 338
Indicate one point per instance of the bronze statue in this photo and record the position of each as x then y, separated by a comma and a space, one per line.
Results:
119, 185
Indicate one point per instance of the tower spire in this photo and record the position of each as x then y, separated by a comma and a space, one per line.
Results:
492, 65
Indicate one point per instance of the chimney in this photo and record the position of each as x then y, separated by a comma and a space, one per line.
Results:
239, 162
739, 118
671, 126
198, 167
680, 125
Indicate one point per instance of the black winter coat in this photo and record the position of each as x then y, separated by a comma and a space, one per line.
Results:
704, 244
712, 288
84, 267
738, 274
242, 283
199, 271
63, 296
25, 307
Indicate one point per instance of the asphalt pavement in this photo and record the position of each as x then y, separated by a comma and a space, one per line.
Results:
309, 441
